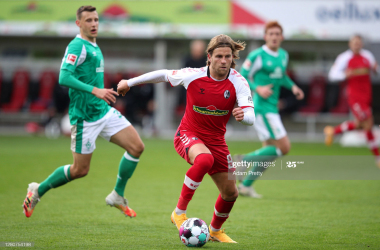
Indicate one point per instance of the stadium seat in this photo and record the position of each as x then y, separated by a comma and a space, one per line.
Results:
1, 83
316, 95
342, 105
107, 81
47, 82
20, 90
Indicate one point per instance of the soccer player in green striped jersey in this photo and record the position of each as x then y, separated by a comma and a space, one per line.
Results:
82, 71
265, 71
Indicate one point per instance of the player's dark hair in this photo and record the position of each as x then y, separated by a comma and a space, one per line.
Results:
225, 41
272, 24
84, 8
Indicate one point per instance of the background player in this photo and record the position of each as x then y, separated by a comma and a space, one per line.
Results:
212, 92
82, 71
265, 70
355, 66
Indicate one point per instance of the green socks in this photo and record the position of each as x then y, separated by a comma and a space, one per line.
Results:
61, 176
268, 153
58, 178
127, 166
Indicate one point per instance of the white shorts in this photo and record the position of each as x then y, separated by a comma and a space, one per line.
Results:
84, 134
269, 126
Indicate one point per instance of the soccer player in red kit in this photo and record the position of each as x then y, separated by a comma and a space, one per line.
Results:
355, 66
212, 92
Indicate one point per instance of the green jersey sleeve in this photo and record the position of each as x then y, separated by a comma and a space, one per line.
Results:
287, 82
74, 56
251, 65
67, 79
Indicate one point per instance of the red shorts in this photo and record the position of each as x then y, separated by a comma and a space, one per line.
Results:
184, 140
361, 110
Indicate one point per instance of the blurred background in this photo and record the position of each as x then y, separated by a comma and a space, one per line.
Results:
140, 36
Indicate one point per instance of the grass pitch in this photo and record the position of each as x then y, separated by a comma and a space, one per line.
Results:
292, 214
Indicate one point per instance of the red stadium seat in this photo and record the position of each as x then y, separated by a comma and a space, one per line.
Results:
316, 96
48, 80
1, 82
342, 105
20, 90
107, 80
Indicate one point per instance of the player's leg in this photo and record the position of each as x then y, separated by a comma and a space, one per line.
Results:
272, 133
83, 136
331, 131
367, 125
359, 114
223, 206
119, 131
196, 153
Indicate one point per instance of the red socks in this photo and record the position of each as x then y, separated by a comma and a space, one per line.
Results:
345, 126
221, 212
193, 178
371, 143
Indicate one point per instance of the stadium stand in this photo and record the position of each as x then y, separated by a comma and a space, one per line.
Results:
19, 92
47, 82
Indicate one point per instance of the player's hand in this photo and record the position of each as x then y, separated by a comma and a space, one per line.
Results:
298, 92
349, 73
238, 113
107, 95
265, 91
122, 87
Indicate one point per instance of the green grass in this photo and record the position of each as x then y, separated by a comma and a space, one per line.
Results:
292, 214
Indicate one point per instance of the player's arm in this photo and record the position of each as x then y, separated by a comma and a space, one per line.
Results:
152, 77
251, 65
244, 113
174, 77
338, 70
289, 84
67, 79
372, 61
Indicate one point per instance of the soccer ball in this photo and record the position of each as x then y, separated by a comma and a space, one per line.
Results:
194, 232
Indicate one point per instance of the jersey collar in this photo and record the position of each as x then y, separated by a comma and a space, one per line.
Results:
269, 51
93, 44
209, 75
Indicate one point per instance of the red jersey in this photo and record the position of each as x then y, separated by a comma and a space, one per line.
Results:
210, 102
359, 86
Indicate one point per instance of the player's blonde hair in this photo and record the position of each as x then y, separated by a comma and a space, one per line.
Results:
225, 41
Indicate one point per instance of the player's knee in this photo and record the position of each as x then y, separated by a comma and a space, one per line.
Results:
285, 149
137, 149
79, 171
230, 195
205, 161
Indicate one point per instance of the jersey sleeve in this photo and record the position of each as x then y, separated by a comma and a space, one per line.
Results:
251, 65
243, 93
337, 71
371, 58
74, 56
287, 82
182, 76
